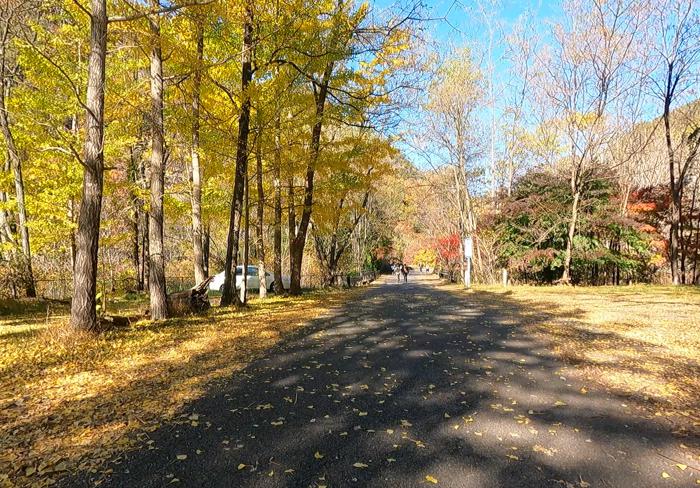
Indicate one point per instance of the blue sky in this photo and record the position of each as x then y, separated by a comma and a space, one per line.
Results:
462, 23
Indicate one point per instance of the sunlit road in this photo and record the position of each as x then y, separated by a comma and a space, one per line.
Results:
410, 385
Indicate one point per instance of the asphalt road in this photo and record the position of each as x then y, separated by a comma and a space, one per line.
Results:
408, 386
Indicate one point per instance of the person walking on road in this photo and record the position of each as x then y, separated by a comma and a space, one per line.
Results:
404, 271
397, 271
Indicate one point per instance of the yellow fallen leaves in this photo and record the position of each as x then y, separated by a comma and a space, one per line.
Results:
146, 372
318, 455
181, 457
544, 450
620, 342
360, 465
431, 479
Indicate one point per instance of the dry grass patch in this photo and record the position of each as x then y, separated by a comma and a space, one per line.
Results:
640, 341
73, 404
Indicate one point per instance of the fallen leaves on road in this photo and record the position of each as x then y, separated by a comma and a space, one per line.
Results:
74, 405
640, 341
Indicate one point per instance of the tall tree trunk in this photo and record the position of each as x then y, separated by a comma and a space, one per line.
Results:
246, 241
573, 219
206, 248
682, 243
135, 217
71, 201
277, 237
157, 286
5, 228
16, 162
262, 289
145, 219
72, 219
228, 295
674, 186
83, 306
195, 171
291, 217
296, 246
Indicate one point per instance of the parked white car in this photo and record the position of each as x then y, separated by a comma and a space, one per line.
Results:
217, 284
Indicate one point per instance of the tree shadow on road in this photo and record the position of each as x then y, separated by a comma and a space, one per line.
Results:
409, 385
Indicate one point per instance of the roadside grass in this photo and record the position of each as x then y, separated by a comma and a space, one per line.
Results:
639, 341
71, 403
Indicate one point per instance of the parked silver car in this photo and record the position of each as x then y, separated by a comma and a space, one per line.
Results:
253, 281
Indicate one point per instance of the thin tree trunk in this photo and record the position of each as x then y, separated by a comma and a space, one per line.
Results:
135, 216
228, 295
296, 247
83, 306
195, 175
206, 249
277, 237
682, 244
566, 275
246, 241
5, 229
673, 185
145, 245
71, 218
262, 289
16, 162
291, 217
157, 286
71, 202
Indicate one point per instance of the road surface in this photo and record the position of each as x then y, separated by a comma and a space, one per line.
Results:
410, 385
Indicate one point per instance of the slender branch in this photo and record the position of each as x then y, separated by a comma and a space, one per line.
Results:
163, 10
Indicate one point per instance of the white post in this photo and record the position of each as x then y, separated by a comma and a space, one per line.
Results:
468, 274
468, 253
504, 274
